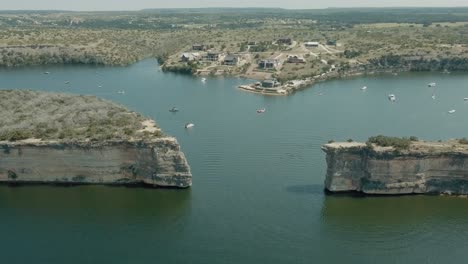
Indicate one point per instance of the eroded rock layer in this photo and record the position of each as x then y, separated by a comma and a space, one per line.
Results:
156, 162
427, 167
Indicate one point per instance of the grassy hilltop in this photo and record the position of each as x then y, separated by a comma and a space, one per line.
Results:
63, 117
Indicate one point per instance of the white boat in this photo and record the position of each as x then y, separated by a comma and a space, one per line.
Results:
46, 72
99, 86
433, 97
67, 82
452, 111
465, 99
189, 125
261, 111
203, 79
364, 88
121, 92
433, 84
392, 97
174, 110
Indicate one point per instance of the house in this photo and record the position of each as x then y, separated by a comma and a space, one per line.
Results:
186, 57
296, 59
312, 44
199, 47
270, 83
268, 64
231, 60
212, 56
284, 41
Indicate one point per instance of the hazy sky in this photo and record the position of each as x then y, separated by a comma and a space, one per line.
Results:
140, 4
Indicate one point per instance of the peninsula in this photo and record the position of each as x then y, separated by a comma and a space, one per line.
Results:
283, 50
49, 138
386, 165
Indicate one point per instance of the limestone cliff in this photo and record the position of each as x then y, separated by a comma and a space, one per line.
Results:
156, 162
426, 167
74, 139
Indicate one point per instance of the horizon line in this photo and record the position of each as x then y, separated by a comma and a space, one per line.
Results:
231, 7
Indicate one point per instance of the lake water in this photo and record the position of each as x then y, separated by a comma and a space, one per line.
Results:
257, 194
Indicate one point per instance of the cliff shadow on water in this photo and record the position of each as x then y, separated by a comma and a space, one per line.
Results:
102, 203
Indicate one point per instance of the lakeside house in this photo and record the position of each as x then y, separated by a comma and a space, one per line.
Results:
212, 56
270, 83
284, 41
232, 60
268, 64
199, 47
312, 44
295, 59
186, 57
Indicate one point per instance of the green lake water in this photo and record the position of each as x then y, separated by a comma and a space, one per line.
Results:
257, 194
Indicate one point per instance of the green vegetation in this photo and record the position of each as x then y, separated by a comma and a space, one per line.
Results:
463, 141
384, 141
397, 39
50, 116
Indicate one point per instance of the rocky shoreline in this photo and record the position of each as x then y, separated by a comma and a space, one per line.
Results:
424, 168
153, 163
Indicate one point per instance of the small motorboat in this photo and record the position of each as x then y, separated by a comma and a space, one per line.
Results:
452, 111
203, 80
174, 110
392, 97
67, 82
433, 97
261, 111
364, 88
433, 84
189, 125
121, 92
46, 72
465, 99
99, 86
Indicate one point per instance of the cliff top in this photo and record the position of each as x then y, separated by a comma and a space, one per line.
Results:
452, 145
32, 117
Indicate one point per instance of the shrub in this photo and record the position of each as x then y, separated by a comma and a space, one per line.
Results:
396, 142
413, 138
349, 140
331, 141
463, 141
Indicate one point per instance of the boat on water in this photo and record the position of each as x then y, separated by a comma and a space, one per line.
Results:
261, 111
392, 97
189, 125
67, 82
203, 79
452, 111
432, 84
433, 97
174, 110
46, 72
121, 92
465, 99
99, 86
364, 88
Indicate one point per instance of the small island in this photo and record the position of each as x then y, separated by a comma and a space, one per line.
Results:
50, 138
390, 165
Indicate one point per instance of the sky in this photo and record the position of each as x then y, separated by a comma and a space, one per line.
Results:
94, 5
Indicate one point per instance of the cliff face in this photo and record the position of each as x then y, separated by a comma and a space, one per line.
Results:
427, 167
156, 162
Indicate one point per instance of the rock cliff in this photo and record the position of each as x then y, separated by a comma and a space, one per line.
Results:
157, 162
73, 139
426, 167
